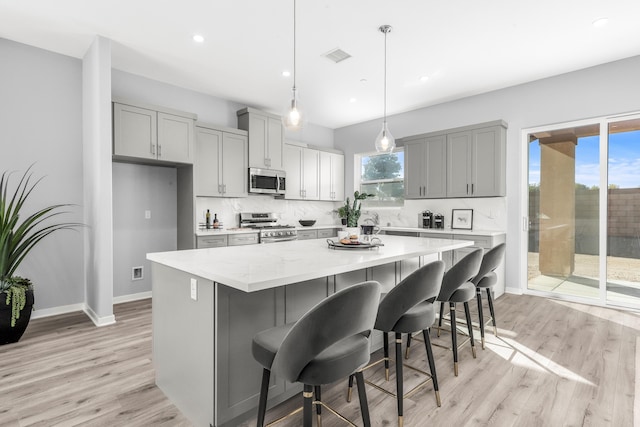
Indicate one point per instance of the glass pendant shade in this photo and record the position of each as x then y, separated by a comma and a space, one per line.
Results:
385, 142
293, 116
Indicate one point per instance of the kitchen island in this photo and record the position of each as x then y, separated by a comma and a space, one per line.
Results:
208, 304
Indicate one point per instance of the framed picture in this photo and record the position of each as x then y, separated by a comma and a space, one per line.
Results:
462, 219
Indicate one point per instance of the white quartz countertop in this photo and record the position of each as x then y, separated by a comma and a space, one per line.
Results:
256, 267
436, 231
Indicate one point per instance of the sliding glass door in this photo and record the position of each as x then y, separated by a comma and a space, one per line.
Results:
584, 211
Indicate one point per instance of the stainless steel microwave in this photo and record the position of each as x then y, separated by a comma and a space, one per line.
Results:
267, 181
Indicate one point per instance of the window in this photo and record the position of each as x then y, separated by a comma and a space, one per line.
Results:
382, 175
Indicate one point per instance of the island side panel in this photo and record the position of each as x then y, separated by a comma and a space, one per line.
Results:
183, 342
240, 315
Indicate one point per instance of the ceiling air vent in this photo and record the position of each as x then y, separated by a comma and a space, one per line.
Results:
337, 55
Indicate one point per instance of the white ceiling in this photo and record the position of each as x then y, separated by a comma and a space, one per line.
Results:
465, 47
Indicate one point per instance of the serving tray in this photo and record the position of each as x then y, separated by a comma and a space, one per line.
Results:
360, 245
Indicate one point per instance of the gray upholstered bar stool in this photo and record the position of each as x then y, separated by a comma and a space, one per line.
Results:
329, 342
408, 307
458, 288
486, 279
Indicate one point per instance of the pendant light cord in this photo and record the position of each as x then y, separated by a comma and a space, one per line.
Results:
294, 46
385, 74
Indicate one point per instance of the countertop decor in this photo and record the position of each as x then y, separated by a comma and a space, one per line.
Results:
351, 212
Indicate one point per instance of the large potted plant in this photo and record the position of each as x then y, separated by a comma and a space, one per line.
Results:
19, 233
351, 212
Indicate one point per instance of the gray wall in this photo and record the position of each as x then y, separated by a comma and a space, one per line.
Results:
603, 90
41, 123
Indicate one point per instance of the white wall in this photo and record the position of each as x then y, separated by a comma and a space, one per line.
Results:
41, 123
607, 89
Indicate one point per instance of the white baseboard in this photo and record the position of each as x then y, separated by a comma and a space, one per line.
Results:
54, 311
97, 320
514, 291
132, 297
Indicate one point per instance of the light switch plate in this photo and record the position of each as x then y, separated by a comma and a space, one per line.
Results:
194, 289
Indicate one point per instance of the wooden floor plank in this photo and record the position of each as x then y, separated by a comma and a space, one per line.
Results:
554, 363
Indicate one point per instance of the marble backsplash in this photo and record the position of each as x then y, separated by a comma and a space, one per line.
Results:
488, 213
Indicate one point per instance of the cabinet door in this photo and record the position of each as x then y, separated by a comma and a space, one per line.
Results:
435, 167
413, 170
234, 165
293, 167
307, 234
258, 131
310, 173
337, 176
325, 185
206, 167
134, 132
175, 138
275, 143
487, 167
459, 164
211, 241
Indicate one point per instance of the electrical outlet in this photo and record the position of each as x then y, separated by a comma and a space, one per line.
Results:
147, 214
194, 289
137, 273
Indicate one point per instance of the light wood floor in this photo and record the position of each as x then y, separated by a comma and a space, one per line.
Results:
553, 364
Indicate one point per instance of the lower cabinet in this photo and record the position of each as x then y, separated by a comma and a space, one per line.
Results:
307, 234
211, 241
242, 239
325, 233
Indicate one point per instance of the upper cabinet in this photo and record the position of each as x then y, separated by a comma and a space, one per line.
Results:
476, 162
331, 176
152, 134
463, 162
220, 168
265, 138
425, 167
302, 167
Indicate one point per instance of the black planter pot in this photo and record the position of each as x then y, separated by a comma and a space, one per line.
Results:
10, 334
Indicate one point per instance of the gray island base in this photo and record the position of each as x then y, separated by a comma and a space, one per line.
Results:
208, 304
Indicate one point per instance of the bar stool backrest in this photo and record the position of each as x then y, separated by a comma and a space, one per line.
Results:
421, 285
461, 272
490, 261
346, 313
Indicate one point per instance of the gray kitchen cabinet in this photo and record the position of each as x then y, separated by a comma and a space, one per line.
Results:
301, 164
220, 168
326, 233
307, 234
476, 163
152, 134
265, 138
211, 241
461, 162
242, 239
331, 176
425, 167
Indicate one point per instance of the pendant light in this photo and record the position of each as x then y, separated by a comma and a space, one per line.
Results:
293, 116
385, 142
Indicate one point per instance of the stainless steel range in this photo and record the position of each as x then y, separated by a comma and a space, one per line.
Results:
267, 224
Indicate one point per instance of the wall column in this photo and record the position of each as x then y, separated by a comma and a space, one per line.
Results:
557, 205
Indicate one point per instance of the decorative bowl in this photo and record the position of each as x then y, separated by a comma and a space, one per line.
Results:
307, 222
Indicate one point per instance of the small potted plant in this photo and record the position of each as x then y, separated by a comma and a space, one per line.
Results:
350, 212
19, 233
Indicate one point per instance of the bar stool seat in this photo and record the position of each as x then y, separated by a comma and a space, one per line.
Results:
486, 279
328, 343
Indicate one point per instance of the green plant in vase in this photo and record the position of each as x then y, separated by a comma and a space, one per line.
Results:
19, 234
351, 211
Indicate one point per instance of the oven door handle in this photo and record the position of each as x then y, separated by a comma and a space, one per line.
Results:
278, 239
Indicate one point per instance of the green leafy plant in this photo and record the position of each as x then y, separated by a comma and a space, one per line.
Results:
351, 212
18, 237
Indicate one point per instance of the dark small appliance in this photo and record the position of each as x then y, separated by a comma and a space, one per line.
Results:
438, 221
425, 219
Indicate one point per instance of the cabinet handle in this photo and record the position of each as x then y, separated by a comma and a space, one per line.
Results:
467, 188
224, 188
159, 150
153, 149
219, 188
472, 190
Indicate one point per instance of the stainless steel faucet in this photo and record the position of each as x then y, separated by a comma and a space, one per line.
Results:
374, 217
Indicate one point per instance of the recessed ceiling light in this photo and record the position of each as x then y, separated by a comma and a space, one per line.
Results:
600, 22
424, 78
363, 80
286, 73
198, 38
352, 100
